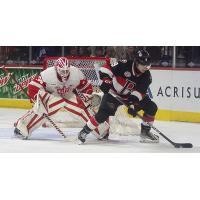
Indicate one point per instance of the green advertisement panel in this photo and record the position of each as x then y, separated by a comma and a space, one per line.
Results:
9, 89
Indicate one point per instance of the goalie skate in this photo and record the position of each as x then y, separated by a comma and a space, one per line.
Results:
105, 136
18, 134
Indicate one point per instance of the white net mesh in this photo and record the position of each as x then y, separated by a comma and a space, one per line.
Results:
88, 65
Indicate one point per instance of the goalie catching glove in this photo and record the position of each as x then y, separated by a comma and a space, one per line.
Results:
92, 100
87, 98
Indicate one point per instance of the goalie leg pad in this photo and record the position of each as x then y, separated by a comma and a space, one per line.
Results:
85, 113
27, 124
42, 102
34, 118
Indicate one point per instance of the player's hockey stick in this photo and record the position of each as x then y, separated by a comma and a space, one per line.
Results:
176, 145
44, 114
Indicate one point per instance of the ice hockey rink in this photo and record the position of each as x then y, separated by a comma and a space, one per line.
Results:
48, 140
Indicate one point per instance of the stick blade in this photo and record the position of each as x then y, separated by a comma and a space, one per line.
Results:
183, 145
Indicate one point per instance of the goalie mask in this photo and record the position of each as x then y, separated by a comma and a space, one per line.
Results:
62, 67
143, 60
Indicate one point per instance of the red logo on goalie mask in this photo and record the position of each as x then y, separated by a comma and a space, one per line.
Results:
62, 67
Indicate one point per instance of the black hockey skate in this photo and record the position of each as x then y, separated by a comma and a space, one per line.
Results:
146, 136
83, 134
105, 137
18, 134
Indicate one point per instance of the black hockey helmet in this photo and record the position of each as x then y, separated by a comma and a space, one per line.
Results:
142, 57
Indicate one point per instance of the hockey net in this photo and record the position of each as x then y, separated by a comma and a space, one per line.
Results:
120, 124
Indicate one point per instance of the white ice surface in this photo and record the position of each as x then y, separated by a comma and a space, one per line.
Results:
47, 140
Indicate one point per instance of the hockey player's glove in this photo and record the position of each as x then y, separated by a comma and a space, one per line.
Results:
132, 111
106, 85
133, 103
133, 100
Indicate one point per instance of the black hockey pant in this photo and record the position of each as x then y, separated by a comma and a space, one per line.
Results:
109, 105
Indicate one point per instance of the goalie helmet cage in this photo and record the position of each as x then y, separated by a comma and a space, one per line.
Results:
121, 124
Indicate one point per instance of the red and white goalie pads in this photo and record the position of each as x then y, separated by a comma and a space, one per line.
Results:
50, 104
85, 110
41, 103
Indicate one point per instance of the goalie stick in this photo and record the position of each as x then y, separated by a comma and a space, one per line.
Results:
176, 145
44, 114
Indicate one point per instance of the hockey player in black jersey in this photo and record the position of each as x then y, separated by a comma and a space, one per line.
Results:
130, 80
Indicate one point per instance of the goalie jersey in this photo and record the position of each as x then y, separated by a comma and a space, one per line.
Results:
50, 82
126, 79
